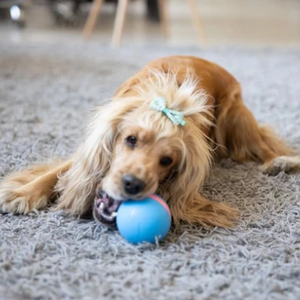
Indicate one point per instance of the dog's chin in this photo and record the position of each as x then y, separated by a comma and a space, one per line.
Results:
105, 208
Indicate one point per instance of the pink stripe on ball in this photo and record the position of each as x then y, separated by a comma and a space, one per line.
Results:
162, 202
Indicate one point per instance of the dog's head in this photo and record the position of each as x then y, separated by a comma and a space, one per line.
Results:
133, 151
147, 151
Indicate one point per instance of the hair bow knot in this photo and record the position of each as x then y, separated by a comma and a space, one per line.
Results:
160, 104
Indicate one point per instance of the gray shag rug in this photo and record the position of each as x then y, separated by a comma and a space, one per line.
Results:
46, 92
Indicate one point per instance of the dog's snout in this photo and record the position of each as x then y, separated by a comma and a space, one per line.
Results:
132, 184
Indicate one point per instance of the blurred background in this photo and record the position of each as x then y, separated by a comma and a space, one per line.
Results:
253, 23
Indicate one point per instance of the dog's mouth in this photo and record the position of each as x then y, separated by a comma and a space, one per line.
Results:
105, 208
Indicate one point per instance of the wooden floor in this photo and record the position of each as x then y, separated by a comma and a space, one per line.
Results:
252, 23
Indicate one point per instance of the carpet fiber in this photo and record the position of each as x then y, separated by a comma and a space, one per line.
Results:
46, 92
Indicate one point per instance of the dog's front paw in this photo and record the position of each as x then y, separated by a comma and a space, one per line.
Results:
287, 164
19, 200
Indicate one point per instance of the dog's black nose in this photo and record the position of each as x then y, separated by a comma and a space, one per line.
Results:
132, 184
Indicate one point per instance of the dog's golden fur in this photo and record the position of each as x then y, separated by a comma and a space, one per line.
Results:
217, 125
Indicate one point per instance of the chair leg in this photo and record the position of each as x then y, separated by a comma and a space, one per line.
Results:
197, 21
163, 11
119, 22
92, 18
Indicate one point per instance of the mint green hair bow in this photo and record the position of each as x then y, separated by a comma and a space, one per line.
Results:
160, 104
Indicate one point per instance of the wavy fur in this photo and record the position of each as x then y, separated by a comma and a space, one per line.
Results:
211, 101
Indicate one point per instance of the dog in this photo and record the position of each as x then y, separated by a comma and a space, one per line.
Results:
160, 134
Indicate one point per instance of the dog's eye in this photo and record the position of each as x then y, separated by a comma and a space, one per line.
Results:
166, 161
131, 141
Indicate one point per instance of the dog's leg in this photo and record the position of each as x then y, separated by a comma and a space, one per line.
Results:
288, 164
30, 189
243, 139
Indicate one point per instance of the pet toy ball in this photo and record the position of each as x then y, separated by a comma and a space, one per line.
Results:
144, 220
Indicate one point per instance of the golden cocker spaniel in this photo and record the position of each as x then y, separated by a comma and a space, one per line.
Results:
160, 134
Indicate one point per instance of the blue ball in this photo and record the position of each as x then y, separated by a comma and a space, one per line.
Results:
144, 220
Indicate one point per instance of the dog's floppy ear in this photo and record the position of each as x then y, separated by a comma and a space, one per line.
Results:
92, 160
182, 191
